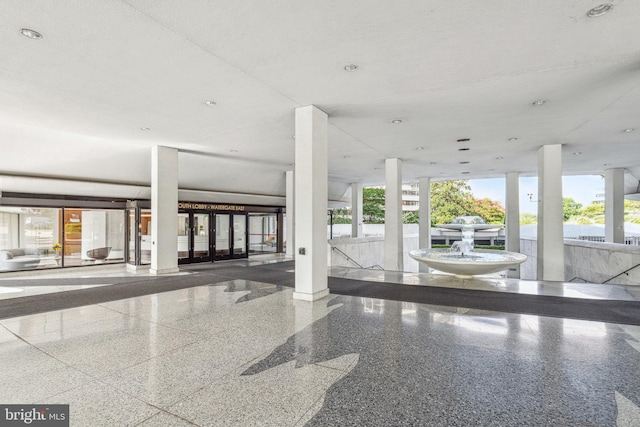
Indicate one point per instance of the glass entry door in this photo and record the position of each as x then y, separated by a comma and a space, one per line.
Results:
231, 236
194, 229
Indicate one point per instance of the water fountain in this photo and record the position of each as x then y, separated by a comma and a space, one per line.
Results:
462, 259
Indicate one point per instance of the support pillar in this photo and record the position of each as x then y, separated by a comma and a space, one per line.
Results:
424, 215
550, 232
164, 210
393, 256
356, 210
614, 205
512, 231
291, 214
311, 194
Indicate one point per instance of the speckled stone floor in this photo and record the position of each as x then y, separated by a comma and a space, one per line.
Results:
243, 352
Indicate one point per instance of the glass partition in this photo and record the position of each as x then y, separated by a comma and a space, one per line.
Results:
30, 238
93, 236
184, 236
145, 236
201, 238
239, 234
263, 233
222, 235
132, 235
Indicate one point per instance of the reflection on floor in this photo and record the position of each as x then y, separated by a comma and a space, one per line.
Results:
244, 353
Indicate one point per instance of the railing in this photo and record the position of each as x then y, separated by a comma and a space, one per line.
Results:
373, 267
609, 279
628, 240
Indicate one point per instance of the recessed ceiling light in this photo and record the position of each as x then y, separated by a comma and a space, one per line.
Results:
464, 163
627, 130
145, 129
464, 140
396, 121
351, 67
512, 139
607, 164
464, 173
464, 149
233, 151
32, 34
433, 163
599, 10
499, 158
376, 169
210, 102
419, 148
346, 157
577, 153
538, 102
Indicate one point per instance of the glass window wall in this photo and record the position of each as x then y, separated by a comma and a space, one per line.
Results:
29, 238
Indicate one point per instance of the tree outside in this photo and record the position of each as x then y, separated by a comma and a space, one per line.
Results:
373, 205
449, 199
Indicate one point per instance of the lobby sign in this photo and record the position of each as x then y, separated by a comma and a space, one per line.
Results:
211, 207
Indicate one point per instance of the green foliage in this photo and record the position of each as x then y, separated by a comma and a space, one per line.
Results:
373, 205
528, 218
411, 218
450, 199
491, 211
594, 212
342, 216
570, 208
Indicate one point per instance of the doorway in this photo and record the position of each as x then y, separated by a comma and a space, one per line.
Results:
231, 236
194, 242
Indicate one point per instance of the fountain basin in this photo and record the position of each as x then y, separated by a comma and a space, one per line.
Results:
481, 261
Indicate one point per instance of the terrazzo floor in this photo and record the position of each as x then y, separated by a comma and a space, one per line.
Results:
243, 353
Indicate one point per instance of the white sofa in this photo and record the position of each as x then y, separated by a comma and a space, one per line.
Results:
19, 259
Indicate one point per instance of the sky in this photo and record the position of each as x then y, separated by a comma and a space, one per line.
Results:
581, 188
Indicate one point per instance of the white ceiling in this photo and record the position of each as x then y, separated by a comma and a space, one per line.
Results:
73, 103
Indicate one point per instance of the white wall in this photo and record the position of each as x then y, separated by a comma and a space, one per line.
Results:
593, 262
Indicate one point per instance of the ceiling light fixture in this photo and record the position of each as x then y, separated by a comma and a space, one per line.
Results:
512, 139
419, 148
145, 129
499, 158
627, 130
210, 102
32, 34
539, 102
396, 121
599, 10
233, 151
607, 164
464, 163
464, 173
464, 140
464, 149
346, 157
577, 153
433, 163
351, 68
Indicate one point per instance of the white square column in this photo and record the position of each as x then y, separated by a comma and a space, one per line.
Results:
164, 210
311, 194
512, 202
356, 210
393, 256
614, 205
291, 214
550, 232
424, 215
